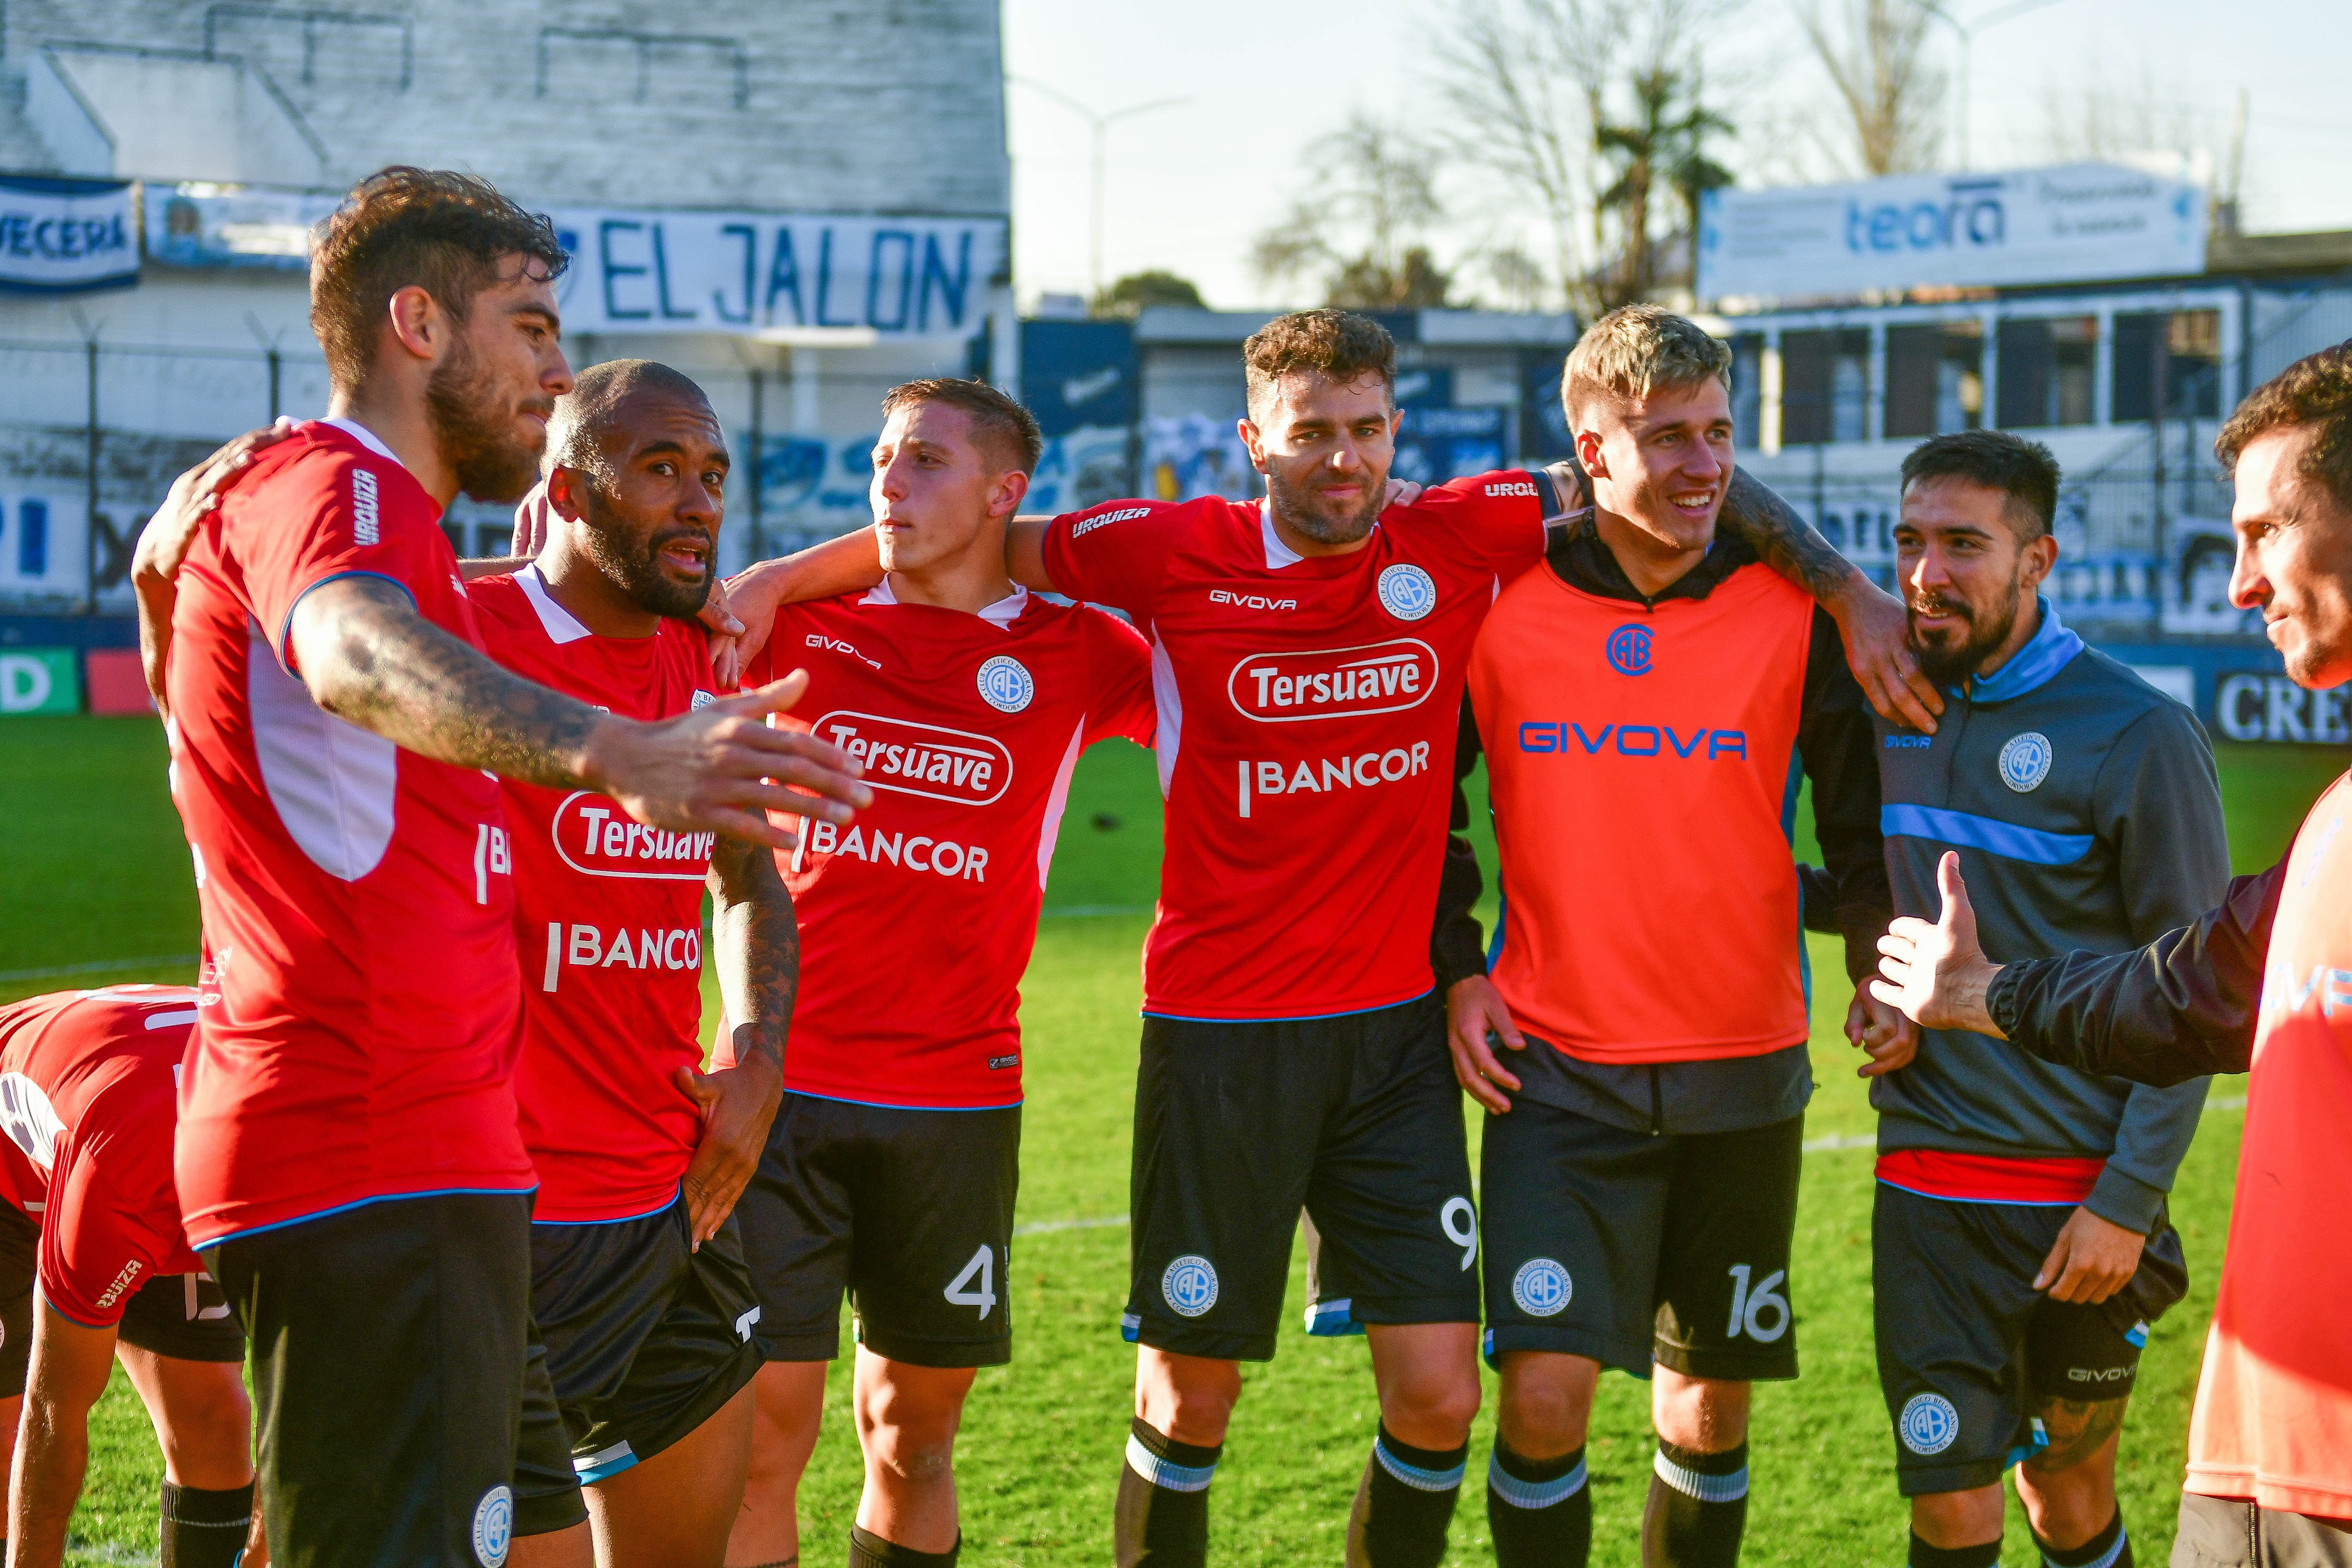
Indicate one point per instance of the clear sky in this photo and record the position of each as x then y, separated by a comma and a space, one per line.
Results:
1188, 186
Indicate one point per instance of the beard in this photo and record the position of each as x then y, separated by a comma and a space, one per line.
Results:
474, 432
636, 565
1296, 507
1947, 664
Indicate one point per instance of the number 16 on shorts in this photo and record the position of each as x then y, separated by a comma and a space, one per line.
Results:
1760, 1311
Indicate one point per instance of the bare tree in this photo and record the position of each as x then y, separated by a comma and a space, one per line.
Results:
1371, 204
1893, 93
1529, 86
2103, 119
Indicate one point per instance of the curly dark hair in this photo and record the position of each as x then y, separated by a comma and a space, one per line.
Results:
437, 229
2314, 390
1339, 344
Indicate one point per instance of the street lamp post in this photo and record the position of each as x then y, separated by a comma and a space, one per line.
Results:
1100, 124
1968, 32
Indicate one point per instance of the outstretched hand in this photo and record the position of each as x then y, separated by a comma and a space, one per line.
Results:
164, 542
723, 768
1938, 974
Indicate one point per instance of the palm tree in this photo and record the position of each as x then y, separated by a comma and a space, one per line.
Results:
1658, 146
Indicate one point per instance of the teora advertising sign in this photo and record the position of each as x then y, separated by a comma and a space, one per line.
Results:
2071, 223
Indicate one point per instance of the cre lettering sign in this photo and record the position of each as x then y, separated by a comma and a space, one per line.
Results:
2069, 224
59, 237
639, 271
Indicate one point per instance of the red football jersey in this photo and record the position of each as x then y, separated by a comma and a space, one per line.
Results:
608, 922
357, 898
916, 919
1307, 709
87, 1084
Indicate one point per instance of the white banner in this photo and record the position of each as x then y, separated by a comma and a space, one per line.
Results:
756, 272
62, 235
2073, 224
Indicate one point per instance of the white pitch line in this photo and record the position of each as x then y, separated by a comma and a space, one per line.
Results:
101, 967
1047, 1226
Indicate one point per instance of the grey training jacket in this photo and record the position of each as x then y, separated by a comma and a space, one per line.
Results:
2084, 807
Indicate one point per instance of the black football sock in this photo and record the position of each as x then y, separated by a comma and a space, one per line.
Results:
1697, 1508
1539, 1511
1404, 1503
2110, 1548
1926, 1556
1162, 1518
867, 1549
205, 1530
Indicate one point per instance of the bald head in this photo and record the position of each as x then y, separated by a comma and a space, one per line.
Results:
587, 421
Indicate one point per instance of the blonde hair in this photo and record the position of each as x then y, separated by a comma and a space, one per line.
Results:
1636, 349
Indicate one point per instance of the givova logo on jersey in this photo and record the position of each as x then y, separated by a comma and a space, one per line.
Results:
594, 836
1333, 683
931, 761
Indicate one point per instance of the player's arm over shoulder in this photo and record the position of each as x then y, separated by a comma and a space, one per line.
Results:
1112, 554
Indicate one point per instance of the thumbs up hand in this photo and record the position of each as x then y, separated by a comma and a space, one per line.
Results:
1938, 974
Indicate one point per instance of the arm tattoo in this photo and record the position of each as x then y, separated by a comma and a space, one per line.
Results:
1784, 540
2078, 1428
380, 665
756, 939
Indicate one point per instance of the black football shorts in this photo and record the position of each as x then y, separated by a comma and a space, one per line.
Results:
184, 1316
1631, 1249
392, 1351
908, 1211
1968, 1350
1357, 1121
646, 1338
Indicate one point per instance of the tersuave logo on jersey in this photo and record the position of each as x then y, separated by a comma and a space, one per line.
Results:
1333, 683
594, 836
927, 760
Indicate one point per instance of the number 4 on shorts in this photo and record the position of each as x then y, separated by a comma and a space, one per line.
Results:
1748, 1307
983, 1267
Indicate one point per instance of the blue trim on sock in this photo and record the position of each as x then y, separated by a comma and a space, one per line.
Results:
1167, 1477
1705, 1488
1533, 1494
2105, 1560
1415, 1476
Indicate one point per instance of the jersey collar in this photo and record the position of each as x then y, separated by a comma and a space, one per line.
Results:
365, 438
1003, 612
2050, 649
559, 623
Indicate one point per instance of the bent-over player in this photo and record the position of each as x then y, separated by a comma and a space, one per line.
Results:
893, 1167
1646, 700
87, 1084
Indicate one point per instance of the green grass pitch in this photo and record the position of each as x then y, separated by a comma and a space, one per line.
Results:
93, 871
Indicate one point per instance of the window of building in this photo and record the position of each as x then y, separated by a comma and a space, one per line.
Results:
2048, 369
1748, 391
1824, 386
2179, 350
1934, 378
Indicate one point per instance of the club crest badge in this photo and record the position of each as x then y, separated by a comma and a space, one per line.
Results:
1628, 650
1006, 684
1541, 1288
2025, 761
494, 1527
1928, 1423
1188, 1286
1408, 593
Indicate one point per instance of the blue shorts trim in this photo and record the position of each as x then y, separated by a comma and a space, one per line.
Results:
886, 1105
365, 1202
1295, 1017
1333, 1319
1982, 1203
593, 1467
